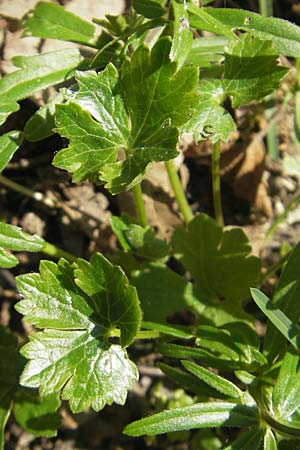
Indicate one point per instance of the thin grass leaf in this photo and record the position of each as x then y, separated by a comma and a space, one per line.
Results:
286, 327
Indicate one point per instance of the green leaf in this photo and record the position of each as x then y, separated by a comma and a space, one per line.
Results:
162, 292
251, 70
80, 306
286, 327
11, 364
149, 8
114, 299
41, 123
50, 21
37, 415
201, 415
9, 144
139, 112
233, 347
36, 73
286, 392
284, 35
206, 51
211, 120
7, 107
236, 341
7, 260
13, 238
269, 440
200, 19
213, 380
5, 402
182, 35
286, 298
250, 440
138, 239
188, 382
206, 357
220, 264
179, 331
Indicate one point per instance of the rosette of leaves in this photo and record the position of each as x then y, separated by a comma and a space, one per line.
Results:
80, 307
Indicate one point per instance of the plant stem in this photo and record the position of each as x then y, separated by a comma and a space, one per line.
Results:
216, 183
140, 205
266, 7
26, 191
276, 266
56, 252
179, 192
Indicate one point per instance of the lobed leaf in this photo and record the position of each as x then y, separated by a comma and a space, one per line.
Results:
135, 116
162, 291
80, 306
37, 415
201, 415
50, 21
213, 258
138, 239
211, 120
251, 70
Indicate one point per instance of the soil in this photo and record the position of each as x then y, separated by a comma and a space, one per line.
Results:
255, 190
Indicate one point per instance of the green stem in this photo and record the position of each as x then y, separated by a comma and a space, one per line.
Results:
142, 334
179, 192
140, 205
26, 191
56, 252
266, 7
216, 183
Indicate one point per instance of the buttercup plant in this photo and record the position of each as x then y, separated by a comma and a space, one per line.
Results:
149, 79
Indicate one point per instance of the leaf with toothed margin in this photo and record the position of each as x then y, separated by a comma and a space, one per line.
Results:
117, 124
80, 307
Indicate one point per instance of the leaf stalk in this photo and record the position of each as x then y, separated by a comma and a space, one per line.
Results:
179, 192
140, 205
216, 183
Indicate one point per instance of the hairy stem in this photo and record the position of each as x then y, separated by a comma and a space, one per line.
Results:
179, 192
216, 183
140, 205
